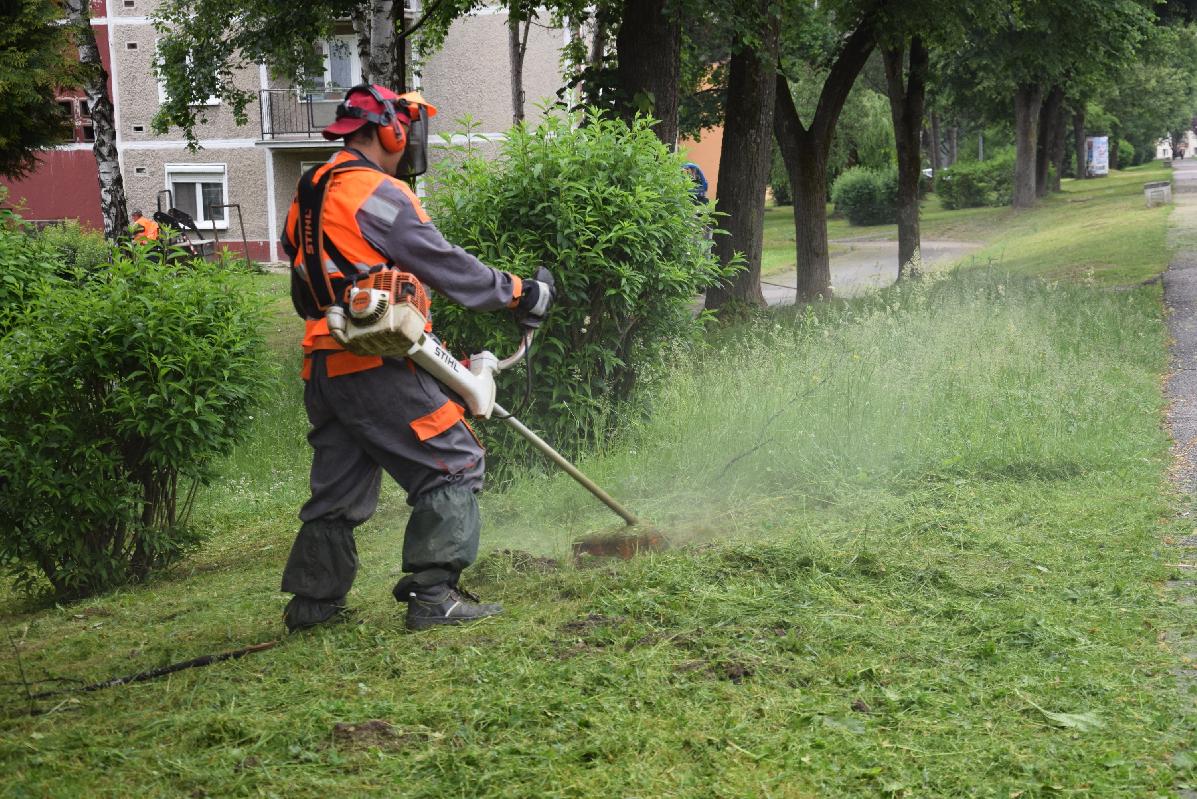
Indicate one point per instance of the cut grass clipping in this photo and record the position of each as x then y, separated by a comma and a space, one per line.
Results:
926, 552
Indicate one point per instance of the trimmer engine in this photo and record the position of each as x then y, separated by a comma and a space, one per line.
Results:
388, 315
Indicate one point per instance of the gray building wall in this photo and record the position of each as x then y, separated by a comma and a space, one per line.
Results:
471, 74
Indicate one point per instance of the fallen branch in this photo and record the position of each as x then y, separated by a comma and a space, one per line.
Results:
162, 671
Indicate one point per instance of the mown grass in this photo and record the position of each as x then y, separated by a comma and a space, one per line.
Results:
1095, 229
918, 556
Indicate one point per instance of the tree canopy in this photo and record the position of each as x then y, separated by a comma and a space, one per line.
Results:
35, 62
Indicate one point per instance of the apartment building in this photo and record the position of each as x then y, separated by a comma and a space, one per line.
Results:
244, 176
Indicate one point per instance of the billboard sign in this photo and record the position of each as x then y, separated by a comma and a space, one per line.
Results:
1097, 155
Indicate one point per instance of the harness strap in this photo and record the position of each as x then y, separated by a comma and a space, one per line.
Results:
316, 249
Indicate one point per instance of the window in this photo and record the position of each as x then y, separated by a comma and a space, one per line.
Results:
197, 189
78, 114
342, 66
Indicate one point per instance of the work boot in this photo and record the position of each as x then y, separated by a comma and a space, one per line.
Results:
303, 613
443, 603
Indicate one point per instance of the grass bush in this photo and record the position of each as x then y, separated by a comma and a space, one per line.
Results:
977, 376
116, 396
609, 210
867, 196
79, 252
974, 184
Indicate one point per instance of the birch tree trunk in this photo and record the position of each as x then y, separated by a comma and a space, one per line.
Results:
95, 84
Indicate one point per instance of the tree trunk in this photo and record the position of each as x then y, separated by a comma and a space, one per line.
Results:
906, 107
804, 151
936, 152
744, 164
517, 47
1027, 101
360, 19
1114, 140
1050, 114
95, 85
953, 144
1057, 149
1078, 131
648, 47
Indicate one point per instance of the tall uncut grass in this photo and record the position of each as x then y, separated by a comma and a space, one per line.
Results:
968, 376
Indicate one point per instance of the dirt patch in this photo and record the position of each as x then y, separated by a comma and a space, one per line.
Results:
736, 672
372, 734
861, 706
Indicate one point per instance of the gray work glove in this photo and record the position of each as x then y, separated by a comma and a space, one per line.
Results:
539, 295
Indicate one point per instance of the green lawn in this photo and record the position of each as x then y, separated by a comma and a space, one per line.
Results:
918, 554
1096, 230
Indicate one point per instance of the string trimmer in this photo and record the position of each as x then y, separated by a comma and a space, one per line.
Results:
384, 318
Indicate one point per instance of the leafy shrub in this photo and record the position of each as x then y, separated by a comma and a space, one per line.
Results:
974, 184
116, 395
867, 196
1126, 155
608, 209
78, 252
27, 265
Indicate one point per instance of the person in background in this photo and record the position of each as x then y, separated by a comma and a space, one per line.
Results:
144, 228
700, 182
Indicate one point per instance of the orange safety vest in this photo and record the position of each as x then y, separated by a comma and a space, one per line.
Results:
148, 230
328, 241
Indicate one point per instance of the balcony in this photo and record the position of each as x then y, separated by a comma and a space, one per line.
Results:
291, 118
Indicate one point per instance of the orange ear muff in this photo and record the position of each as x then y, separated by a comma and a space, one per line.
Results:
392, 137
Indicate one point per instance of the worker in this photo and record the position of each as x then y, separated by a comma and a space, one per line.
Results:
144, 228
699, 190
369, 414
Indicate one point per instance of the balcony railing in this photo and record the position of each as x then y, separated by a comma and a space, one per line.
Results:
290, 115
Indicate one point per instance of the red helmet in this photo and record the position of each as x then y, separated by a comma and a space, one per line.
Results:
368, 103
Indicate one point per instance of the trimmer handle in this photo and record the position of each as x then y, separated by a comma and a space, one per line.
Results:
517, 356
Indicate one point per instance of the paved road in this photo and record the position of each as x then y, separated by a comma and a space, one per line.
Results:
1180, 296
867, 264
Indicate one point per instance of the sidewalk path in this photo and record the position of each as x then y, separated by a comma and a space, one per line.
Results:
1180, 297
867, 265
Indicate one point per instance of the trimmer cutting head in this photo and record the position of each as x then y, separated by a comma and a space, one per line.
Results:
623, 543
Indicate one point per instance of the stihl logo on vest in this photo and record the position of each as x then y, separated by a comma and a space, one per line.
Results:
308, 244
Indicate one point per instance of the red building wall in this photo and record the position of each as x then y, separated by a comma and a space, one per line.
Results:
65, 184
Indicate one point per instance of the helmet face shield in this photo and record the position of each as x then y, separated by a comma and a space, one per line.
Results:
415, 155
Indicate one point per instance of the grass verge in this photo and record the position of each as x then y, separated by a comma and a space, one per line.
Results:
922, 560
